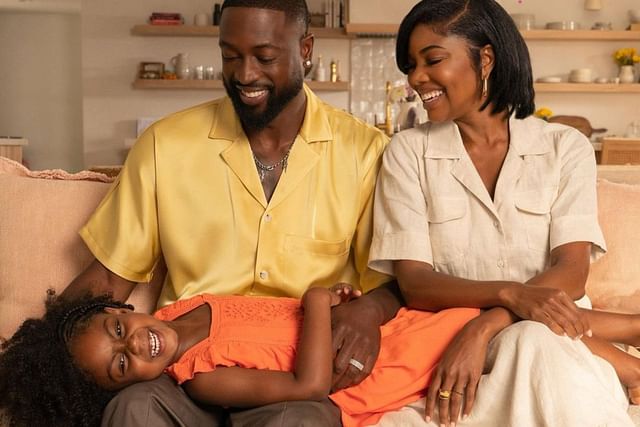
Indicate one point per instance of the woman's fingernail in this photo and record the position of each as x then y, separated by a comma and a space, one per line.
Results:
589, 333
428, 419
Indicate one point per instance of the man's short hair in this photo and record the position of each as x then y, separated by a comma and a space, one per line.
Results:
294, 10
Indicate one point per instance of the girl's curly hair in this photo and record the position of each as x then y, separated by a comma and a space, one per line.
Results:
39, 383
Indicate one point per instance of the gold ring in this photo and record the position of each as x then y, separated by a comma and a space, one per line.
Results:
444, 394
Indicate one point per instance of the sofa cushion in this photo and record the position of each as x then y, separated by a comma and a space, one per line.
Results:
614, 280
40, 249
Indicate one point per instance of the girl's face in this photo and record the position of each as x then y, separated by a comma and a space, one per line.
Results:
442, 73
120, 347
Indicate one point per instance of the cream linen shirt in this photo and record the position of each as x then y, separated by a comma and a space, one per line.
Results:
432, 206
190, 191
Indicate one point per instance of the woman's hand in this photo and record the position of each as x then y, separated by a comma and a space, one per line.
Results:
550, 306
455, 380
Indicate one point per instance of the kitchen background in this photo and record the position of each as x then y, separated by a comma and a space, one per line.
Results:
68, 69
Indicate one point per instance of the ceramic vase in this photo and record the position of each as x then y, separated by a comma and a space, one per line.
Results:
627, 74
180, 64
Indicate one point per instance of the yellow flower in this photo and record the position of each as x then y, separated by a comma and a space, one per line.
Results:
543, 113
626, 56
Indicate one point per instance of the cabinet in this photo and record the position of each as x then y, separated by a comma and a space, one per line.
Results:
213, 31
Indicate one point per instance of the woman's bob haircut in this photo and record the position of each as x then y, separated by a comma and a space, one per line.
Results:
480, 23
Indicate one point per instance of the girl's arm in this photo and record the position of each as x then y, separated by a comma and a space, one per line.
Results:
311, 380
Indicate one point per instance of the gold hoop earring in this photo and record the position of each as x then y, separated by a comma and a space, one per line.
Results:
485, 86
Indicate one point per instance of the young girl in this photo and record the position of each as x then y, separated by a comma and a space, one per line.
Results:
224, 350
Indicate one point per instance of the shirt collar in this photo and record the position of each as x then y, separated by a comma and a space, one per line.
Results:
315, 126
526, 138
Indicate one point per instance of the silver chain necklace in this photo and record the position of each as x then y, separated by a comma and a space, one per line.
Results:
263, 169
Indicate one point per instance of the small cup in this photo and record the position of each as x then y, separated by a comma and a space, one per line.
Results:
209, 73
201, 19
198, 73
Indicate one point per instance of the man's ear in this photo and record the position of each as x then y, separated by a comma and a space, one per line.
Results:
306, 47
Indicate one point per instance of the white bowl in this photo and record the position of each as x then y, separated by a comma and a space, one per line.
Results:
563, 25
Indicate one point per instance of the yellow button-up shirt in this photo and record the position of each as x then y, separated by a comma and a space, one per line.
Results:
190, 191
432, 206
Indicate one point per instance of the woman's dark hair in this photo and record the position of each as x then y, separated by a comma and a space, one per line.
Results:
39, 383
480, 23
295, 10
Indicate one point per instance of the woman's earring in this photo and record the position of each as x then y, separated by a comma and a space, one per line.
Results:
485, 86
307, 63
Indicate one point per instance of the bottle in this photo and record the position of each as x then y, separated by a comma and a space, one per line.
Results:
321, 73
216, 14
334, 76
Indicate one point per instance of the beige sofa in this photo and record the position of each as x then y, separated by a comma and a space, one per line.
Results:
40, 250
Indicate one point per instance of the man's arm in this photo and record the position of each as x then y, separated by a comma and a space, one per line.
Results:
356, 332
97, 280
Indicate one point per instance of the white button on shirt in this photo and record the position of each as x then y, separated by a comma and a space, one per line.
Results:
432, 206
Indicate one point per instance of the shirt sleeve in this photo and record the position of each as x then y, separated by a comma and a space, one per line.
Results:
123, 231
574, 213
400, 229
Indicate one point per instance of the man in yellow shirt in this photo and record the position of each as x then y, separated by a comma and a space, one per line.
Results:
268, 191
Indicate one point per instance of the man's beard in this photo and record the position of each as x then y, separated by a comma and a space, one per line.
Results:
276, 102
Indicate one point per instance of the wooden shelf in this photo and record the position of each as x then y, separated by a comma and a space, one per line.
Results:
390, 30
214, 31
375, 30
587, 35
586, 88
217, 84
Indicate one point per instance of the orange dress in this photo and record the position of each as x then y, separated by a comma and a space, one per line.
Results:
262, 333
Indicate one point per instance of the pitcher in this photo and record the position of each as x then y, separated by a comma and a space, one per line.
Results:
180, 64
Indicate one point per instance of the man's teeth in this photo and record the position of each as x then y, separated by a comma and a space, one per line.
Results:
154, 344
253, 94
431, 95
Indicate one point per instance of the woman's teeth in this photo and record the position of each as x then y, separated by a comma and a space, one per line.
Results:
430, 96
154, 344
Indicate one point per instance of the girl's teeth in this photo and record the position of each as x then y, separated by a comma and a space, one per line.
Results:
154, 344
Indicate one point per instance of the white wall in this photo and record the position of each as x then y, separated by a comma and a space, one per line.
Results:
40, 90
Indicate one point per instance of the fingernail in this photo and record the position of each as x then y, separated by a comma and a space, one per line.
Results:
428, 419
589, 333
464, 416
578, 338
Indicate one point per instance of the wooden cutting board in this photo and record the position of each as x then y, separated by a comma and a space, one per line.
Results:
578, 122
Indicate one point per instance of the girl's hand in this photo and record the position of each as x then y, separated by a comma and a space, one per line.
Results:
550, 306
343, 292
455, 381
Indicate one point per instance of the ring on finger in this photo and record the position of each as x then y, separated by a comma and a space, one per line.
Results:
356, 364
444, 394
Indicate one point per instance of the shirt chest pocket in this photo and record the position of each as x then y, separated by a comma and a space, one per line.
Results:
534, 209
448, 232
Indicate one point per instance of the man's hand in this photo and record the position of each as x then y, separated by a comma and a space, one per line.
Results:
356, 333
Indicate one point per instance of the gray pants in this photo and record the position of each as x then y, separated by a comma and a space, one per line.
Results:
162, 403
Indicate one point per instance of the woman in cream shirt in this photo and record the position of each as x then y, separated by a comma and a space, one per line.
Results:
485, 206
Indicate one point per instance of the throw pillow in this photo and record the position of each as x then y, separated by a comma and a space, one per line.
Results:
40, 249
614, 280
